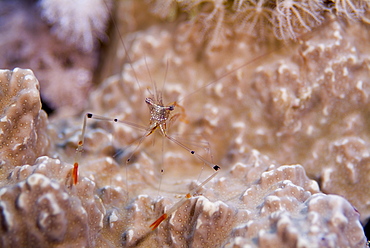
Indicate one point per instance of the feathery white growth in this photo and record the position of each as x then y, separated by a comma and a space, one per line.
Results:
78, 22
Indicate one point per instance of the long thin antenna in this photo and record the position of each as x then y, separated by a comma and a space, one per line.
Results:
231, 72
165, 76
123, 44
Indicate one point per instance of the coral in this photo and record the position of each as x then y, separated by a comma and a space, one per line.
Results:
191, 225
304, 106
290, 104
323, 221
38, 209
64, 72
254, 16
347, 167
164, 9
350, 9
23, 135
313, 103
209, 20
291, 17
77, 22
272, 103
215, 20
33, 214
284, 209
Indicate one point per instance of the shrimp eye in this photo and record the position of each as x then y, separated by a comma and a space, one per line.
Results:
171, 107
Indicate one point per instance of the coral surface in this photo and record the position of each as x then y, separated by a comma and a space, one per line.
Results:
287, 124
39, 210
23, 134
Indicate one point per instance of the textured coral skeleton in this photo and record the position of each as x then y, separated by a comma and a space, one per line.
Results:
23, 135
306, 104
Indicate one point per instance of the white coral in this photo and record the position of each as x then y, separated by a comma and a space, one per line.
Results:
78, 22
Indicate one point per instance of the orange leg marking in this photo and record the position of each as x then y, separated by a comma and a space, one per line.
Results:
75, 173
156, 223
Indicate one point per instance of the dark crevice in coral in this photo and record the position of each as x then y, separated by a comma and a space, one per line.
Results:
367, 230
46, 107
3, 223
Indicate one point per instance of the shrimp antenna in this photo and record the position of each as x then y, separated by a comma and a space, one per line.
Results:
123, 44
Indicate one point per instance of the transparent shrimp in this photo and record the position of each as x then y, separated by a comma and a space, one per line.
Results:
160, 118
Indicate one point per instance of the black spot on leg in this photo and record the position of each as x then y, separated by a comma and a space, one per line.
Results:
115, 120
89, 115
192, 152
216, 167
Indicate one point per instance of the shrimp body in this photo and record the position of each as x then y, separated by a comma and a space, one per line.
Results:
159, 115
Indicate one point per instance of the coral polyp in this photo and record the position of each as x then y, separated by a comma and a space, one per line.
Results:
288, 19
292, 18
351, 9
254, 17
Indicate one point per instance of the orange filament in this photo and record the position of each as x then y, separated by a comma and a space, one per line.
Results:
75, 173
156, 223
